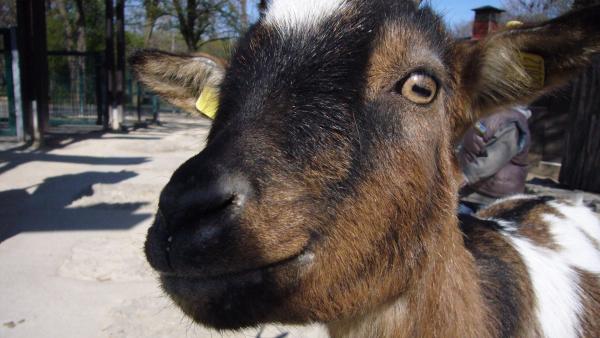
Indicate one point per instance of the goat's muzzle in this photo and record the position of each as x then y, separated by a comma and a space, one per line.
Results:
211, 252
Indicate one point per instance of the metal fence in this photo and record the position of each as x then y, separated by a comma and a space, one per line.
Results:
75, 87
77, 91
4, 108
7, 111
143, 104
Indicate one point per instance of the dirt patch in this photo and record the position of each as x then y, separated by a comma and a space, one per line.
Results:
108, 260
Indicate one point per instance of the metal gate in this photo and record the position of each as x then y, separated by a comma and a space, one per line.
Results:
75, 81
7, 100
78, 90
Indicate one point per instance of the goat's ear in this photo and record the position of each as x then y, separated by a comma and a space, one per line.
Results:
180, 79
506, 68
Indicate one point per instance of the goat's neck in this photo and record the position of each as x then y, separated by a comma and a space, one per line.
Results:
445, 302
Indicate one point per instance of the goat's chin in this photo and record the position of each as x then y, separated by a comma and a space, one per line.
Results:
244, 299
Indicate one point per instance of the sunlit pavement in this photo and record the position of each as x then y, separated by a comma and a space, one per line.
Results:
72, 224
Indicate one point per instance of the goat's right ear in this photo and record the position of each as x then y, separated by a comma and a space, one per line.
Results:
495, 70
179, 79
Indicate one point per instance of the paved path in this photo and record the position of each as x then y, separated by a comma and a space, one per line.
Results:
72, 225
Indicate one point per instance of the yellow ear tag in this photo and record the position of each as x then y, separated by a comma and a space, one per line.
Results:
534, 66
208, 102
514, 24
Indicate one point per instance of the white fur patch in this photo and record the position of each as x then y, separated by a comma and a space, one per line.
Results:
513, 197
575, 248
555, 284
582, 217
301, 14
505, 225
553, 275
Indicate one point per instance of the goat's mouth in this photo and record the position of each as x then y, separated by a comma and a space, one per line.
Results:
301, 259
242, 298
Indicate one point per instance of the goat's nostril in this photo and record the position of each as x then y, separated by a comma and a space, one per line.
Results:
219, 203
237, 200
204, 202
223, 197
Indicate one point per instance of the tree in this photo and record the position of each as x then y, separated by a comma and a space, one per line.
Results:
244, 14
72, 16
71, 13
197, 19
262, 7
154, 10
8, 13
193, 24
535, 10
462, 29
581, 158
236, 17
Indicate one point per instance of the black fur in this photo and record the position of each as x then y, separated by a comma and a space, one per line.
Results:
499, 278
284, 101
517, 213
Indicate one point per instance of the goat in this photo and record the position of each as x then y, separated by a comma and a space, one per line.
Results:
328, 186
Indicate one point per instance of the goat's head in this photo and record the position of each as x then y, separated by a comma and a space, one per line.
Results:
328, 180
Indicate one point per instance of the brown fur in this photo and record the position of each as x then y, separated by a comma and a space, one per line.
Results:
590, 293
531, 225
436, 297
494, 77
388, 258
486, 243
176, 79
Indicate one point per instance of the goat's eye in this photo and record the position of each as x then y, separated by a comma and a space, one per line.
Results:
418, 87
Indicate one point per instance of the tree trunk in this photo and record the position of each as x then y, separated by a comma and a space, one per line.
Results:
81, 47
148, 30
70, 35
153, 13
244, 15
262, 7
76, 41
581, 159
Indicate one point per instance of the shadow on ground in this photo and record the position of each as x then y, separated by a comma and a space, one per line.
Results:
47, 207
12, 158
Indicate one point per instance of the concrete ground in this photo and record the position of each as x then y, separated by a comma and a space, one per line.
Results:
73, 218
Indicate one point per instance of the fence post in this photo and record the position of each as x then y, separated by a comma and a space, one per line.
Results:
98, 84
139, 101
31, 21
109, 60
16, 85
155, 108
81, 89
120, 69
8, 79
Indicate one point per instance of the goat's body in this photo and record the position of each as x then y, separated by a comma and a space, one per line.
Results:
536, 264
327, 189
556, 244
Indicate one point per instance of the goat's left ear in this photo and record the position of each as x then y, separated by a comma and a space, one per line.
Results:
515, 66
183, 80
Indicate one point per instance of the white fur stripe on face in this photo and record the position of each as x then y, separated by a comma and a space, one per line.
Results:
556, 287
301, 14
